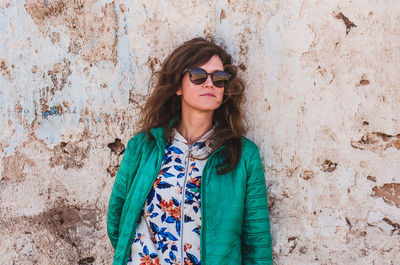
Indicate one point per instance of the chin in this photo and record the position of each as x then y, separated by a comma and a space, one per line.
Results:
209, 105
209, 108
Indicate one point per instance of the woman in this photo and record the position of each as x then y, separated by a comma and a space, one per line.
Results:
190, 188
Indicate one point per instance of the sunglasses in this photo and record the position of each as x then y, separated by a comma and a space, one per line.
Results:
198, 76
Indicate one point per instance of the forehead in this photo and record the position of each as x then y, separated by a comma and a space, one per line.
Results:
215, 63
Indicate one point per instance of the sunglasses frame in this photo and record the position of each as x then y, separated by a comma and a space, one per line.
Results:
188, 70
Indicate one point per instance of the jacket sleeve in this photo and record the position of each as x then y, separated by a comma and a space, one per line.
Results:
119, 192
256, 237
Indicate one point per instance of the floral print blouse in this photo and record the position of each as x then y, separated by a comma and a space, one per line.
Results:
168, 231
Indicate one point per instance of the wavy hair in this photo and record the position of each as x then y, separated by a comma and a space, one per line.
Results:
164, 105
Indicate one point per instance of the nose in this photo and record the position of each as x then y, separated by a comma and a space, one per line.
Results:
208, 82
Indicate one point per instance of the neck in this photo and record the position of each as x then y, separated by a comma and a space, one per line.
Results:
194, 125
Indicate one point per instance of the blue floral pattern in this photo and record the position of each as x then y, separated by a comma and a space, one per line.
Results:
168, 231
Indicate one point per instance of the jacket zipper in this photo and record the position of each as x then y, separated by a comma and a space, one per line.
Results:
183, 200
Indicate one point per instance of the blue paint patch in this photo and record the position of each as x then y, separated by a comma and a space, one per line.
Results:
53, 111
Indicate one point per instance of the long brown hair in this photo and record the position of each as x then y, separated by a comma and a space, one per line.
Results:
164, 104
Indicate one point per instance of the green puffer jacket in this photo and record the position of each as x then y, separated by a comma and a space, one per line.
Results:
235, 227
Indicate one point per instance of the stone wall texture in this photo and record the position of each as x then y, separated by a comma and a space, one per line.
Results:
322, 103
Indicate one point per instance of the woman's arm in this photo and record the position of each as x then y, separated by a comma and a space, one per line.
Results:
256, 237
124, 176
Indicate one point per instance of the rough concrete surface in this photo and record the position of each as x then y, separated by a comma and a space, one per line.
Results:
322, 104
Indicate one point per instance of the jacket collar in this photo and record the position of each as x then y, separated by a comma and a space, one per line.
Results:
158, 134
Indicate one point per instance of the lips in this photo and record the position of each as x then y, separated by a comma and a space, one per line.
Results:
208, 95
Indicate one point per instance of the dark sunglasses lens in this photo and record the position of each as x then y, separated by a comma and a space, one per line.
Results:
220, 78
198, 76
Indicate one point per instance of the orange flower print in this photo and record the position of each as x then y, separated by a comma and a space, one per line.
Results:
187, 246
195, 181
175, 212
166, 206
156, 183
147, 260
172, 210
140, 236
188, 262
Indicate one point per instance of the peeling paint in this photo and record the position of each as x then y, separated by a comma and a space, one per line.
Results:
56, 110
117, 147
136, 99
346, 22
307, 174
222, 15
92, 36
5, 70
363, 81
154, 63
13, 166
371, 178
112, 170
389, 192
86, 261
396, 226
377, 141
63, 226
70, 155
328, 166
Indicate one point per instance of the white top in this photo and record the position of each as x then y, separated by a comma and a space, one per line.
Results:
161, 237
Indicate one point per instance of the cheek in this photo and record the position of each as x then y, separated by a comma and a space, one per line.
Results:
185, 86
221, 93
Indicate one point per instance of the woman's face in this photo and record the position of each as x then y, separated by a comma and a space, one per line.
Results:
205, 97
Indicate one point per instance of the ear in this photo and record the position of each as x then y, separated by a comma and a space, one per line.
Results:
179, 91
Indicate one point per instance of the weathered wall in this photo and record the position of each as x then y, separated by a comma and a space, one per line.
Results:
322, 104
